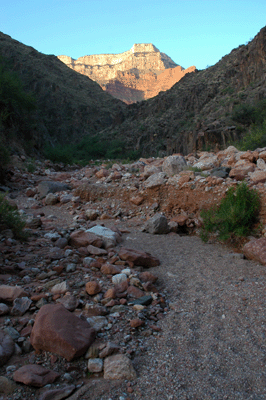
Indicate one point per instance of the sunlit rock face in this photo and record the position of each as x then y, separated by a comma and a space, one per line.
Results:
137, 74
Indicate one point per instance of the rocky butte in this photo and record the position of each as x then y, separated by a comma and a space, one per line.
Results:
137, 74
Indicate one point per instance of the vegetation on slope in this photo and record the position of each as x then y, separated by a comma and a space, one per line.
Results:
251, 120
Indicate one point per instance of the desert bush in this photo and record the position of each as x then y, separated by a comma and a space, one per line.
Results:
235, 216
11, 219
89, 148
253, 138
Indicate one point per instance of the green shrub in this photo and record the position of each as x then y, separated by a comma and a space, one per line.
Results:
90, 148
244, 114
235, 216
59, 154
31, 167
255, 137
11, 219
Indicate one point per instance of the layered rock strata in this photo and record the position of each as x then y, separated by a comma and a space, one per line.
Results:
137, 74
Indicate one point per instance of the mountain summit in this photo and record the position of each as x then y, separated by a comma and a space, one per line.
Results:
137, 74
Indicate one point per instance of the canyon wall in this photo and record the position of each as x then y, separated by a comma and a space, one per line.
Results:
137, 74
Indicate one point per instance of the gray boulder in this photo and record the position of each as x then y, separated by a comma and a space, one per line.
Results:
46, 187
157, 225
172, 165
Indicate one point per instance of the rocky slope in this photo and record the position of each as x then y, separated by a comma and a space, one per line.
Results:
196, 112
137, 74
69, 105
81, 308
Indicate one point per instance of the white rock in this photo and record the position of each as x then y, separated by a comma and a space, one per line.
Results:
119, 278
126, 271
108, 236
60, 288
261, 164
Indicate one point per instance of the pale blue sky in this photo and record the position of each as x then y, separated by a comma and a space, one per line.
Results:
191, 32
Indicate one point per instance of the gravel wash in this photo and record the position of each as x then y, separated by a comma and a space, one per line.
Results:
212, 343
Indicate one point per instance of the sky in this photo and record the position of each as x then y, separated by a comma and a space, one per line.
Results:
191, 32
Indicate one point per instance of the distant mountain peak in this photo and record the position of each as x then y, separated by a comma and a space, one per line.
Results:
133, 75
144, 48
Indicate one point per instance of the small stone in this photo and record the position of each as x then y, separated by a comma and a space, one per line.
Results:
135, 292
61, 243
56, 253
109, 349
146, 276
21, 305
118, 308
96, 251
97, 322
93, 288
87, 261
10, 293
7, 386
95, 365
91, 214
4, 309
69, 301
52, 236
60, 288
110, 269
256, 250
71, 267
135, 323
139, 258
119, 366
33, 222
110, 294
35, 375
119, 278
58, 394
126, 271
12, 332
138, 307
7, 348
137, 200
